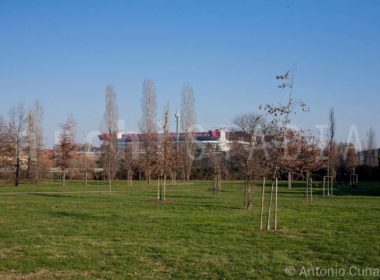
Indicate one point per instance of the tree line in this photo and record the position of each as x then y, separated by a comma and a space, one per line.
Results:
262, 145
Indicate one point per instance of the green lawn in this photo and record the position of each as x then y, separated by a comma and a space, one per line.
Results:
74, 234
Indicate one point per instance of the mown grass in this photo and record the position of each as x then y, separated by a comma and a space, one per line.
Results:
77, 232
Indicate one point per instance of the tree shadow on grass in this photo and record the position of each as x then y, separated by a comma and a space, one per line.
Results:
84, 215
363, 189
55, 195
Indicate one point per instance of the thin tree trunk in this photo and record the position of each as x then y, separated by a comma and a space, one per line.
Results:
110, 184
220, 183
262, 205
311, 190
164, 187
17, 171
307, 188
215, 185
290, 180
270, 207
158, 188
109, 176
324, 186
276, 206
248, 194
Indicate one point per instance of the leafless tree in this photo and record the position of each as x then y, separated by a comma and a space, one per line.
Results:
35, 140
280, 115
17, 136
165, 156
372, 152
148, 127
65, 150
110, 151
4, 144
247, 148
188, 122
347, 161
216, 159
331, 153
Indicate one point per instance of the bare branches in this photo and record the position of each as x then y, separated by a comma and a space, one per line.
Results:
148, 126
17, 136
188, 117
110, 151
35, 139
65, 151
148, 123
188, 121
111, 114
372, 154
246, 149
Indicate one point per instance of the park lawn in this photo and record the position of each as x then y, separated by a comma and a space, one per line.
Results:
76, 232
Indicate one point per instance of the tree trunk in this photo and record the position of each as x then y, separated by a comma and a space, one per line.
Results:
311, 190
17, 171
276, 206
164, 187
270, 206
290, 179
324, 186
262, 205
64, 177
248, 195
158, 188
328, 180
307, 188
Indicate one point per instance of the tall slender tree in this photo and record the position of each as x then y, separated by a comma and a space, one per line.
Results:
110, 148
35, 140
148, 127
331, 153
372, 151
188, 122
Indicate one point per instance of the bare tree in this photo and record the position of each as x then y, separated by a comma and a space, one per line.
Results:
148, 127
372, 152
246, 147
188, 121
65, 150
35, 140
281, 118
331, 154
110, 151
347, 161
4, 144
216, 159
17, 136
165, 157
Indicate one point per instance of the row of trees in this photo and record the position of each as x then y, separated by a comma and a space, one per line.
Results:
22, 151
22, 134
263, 145
157, 155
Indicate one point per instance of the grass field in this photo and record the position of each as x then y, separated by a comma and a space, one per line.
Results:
77, 232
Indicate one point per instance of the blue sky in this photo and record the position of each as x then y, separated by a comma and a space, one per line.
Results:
65, 53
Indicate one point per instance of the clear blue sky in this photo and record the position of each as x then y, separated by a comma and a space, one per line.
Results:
64, 53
